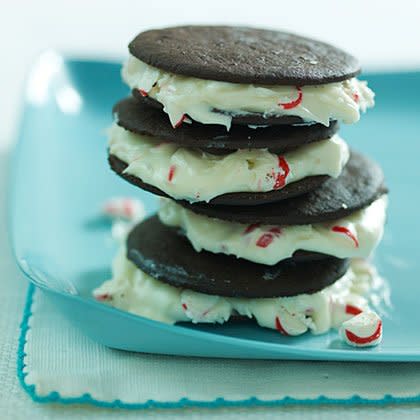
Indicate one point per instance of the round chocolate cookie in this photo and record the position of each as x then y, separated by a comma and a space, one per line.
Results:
166, 255
360, 183
139, 118
243, 55
230, 199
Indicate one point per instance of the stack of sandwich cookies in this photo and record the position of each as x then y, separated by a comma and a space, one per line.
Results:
266, 214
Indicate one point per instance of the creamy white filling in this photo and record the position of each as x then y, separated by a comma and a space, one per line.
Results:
134, 291
193, 175
352, 236
198, 98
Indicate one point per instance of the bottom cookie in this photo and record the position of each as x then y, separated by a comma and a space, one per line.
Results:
134, 291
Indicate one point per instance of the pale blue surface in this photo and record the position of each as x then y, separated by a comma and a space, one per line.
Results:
61, 179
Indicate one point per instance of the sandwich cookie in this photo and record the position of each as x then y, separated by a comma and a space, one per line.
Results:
243, 167
134, 290
355, 235
359, 185
163, 253
224, 75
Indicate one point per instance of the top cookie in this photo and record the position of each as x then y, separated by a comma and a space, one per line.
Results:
243, 55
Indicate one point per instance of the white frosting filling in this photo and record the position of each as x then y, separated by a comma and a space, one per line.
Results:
134, 291
198, 98
193, 175
352, 236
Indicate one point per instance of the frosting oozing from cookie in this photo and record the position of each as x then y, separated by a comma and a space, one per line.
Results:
356, 235
134, 291
194, 175
215, 102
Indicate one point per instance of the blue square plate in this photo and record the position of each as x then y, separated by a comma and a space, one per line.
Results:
61, 178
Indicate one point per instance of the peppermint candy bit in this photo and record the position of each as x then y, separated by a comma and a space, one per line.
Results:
143, 93
126, 208
267, 238
171, 173
347, 232
352, 310
250, 228
184, 307
280, 327
356, 97
365, 340
280, 178
295, 103
181, 120
362, 330
103, 297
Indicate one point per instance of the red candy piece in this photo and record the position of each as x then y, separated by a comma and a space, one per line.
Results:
279, 327
365, 340
103, 297
251, 228
181, 120
280, 179
266, 238
120, 208
128, 208
347, 232
171, 173
184, 307
295, 103
353, 310
143, 93
356, 97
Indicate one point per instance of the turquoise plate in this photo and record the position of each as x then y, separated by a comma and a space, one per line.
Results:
61, 179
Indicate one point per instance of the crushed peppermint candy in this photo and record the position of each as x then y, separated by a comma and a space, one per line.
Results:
123, 208
295, 102
267, 238
103, 297
250, 228
171, 173
180, 121
347, 232
362, 330
200, 307
279, 327
143, 93
280, 177
352, 310
125, 213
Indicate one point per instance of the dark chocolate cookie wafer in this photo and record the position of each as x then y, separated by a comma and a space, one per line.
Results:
230, 199
360, 183
243, 55
167, 256
142, 119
